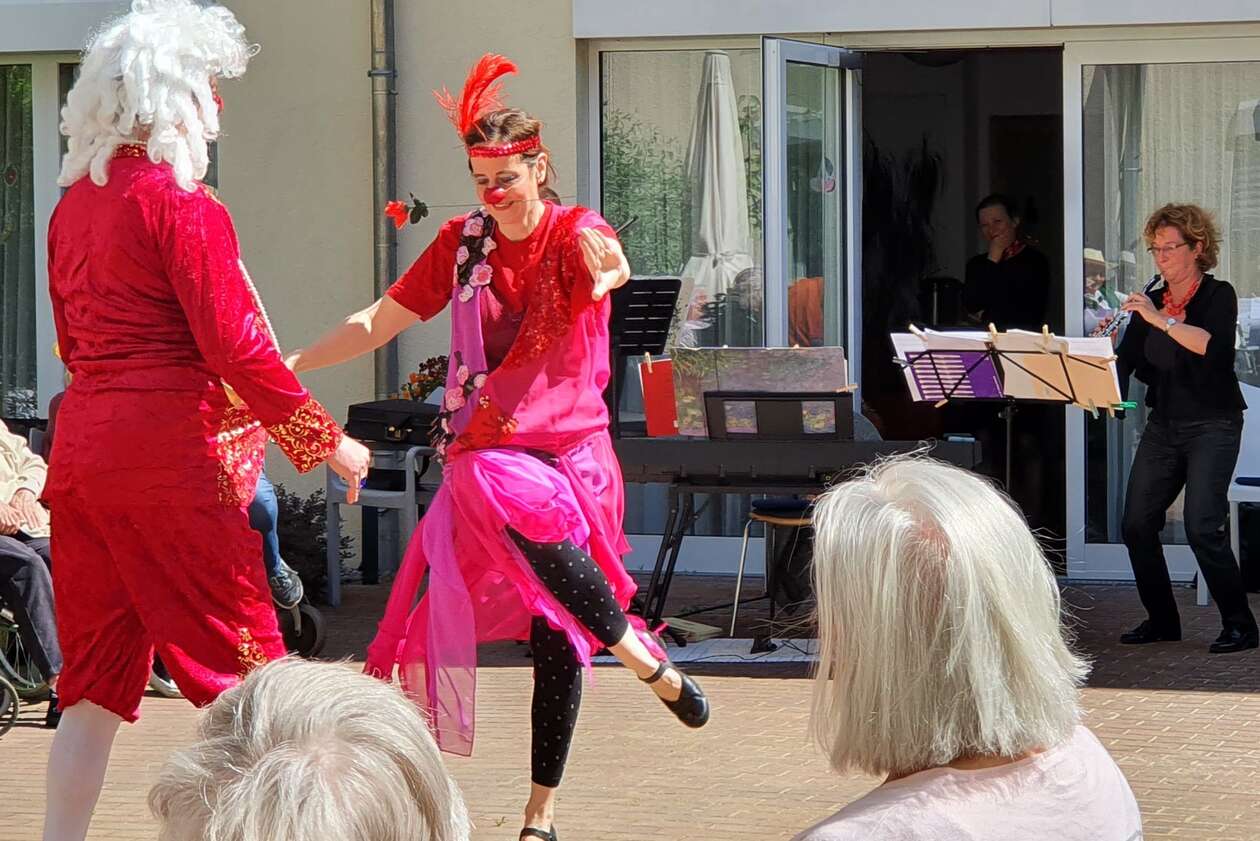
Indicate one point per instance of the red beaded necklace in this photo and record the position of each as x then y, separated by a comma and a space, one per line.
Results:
1177, 308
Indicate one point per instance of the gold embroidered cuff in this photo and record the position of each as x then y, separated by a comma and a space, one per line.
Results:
308, 437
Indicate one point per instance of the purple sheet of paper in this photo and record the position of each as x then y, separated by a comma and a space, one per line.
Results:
936, 374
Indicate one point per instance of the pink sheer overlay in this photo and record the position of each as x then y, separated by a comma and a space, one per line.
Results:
548, 471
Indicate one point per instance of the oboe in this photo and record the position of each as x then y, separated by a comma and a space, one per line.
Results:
1122, 317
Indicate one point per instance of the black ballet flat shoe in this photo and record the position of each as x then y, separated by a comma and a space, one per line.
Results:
691, 707
1232, 639
535, 832
1148, 633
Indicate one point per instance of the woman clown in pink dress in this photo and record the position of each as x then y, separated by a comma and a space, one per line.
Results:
524, 539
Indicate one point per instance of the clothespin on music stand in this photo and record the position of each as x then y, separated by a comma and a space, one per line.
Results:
647, 360
1093, 410
915, 330
1046, 337
993, 331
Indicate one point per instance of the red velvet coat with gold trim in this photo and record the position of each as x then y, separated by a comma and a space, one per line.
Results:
154, 313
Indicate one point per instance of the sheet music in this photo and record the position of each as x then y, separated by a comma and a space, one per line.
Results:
1034, 366
1092, 367
955, 339
958, 365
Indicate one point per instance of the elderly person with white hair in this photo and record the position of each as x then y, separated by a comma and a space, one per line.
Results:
944, 667
306, 750
153, 463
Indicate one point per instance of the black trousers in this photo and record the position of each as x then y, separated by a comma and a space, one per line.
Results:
26, 585
1197, 455
579, 585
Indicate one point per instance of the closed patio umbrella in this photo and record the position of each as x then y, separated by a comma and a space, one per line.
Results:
720, 240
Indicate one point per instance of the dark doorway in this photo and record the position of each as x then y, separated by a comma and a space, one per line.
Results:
941, 130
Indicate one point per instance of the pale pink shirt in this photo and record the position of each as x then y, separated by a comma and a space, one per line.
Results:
1072, 792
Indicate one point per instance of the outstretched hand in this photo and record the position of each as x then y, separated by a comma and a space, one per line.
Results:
604, 260
351, 462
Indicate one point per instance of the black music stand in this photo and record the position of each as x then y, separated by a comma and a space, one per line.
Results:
642, 314
979, 375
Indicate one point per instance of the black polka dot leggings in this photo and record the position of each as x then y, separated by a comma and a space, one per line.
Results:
580, 586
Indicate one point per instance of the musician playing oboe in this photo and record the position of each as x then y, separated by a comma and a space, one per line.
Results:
1180, 343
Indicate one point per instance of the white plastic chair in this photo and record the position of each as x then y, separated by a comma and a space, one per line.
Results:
406, 502
1248, 464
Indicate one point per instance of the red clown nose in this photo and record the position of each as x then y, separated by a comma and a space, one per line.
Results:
495, 195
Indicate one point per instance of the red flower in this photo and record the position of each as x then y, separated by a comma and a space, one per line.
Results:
399, 212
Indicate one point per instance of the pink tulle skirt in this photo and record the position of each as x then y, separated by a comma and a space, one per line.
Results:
481, 588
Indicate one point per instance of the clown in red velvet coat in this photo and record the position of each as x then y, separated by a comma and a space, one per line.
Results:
153, 464
524, 538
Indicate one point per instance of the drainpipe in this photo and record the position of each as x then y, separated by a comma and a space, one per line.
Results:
384, 178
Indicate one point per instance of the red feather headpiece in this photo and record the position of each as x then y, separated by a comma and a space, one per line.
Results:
483, 93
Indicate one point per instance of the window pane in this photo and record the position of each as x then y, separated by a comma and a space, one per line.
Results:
1154, 134
680, 157
17, 245
814, 189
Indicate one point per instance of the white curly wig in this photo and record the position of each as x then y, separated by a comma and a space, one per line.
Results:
146, 77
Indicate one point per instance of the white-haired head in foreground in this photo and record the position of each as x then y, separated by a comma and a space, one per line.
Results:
146, 77
307, 750
940, 634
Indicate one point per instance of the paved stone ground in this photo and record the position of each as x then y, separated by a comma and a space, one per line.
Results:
1185, 726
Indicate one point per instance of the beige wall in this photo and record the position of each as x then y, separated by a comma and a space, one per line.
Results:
438, 49
295, 167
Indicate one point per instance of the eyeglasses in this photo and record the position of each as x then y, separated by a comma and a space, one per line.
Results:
1164, 251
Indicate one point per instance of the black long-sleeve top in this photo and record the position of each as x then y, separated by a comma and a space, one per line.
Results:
1012, 293
1181, 384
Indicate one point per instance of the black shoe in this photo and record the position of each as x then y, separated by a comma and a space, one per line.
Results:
691, 706
53, 717
1147, 632
1232, 639
535, 832
286, 587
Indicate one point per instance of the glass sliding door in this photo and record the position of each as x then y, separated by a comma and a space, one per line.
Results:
811, 108
1157, 127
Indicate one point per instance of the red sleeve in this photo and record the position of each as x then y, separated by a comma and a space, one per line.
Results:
425, 288
202, 261
65, 344
583, 283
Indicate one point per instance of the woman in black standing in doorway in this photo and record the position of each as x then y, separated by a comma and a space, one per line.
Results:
1008, 285
1180, 342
